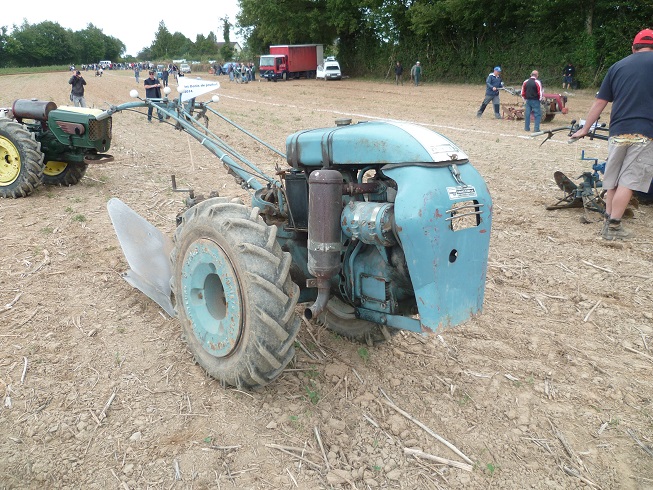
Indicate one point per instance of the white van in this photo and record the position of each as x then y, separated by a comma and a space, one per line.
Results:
329, 70
105, 64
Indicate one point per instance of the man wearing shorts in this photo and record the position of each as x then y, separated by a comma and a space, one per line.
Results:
629, 167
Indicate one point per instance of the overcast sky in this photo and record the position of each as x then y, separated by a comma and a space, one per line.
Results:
134, 23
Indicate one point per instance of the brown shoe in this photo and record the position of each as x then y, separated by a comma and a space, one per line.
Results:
615, 231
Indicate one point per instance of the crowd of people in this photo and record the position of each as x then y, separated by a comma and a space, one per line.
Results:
237, 72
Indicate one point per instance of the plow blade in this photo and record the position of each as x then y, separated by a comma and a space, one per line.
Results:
147, 251
570, 198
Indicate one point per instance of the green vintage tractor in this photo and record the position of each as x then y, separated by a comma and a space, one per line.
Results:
41, 143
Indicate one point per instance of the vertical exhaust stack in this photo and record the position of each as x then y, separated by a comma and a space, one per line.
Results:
324, 233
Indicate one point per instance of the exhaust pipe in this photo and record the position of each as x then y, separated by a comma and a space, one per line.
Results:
324, 234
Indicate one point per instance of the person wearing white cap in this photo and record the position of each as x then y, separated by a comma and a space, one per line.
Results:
629, 167
493, 83
416, 73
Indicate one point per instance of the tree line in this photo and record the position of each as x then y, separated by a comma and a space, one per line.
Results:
455, 40
48, 43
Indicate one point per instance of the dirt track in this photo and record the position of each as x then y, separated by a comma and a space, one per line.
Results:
549, 388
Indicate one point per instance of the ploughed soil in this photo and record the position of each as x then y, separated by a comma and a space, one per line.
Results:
548, 388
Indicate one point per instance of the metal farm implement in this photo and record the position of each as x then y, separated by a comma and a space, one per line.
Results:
551, 105
587, 193
375, 227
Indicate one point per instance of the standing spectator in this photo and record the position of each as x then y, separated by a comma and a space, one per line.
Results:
532, 93
493, 83
137, 73
164, 77
152, 91
230, 71
77, 91
416, 73
252, 71
399, 71
568, 74
629, 167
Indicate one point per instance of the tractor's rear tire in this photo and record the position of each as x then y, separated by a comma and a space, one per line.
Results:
339, 317
234, 296
21, 160
62, 173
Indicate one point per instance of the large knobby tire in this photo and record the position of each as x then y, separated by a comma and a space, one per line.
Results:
339, 317
546, 115
62, 173
234, 296
21, 160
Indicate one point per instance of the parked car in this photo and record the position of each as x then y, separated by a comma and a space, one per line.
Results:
184, 68
329, 70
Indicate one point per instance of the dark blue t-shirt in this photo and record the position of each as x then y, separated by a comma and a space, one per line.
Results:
628, 86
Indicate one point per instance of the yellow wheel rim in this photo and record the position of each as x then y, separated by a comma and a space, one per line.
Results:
53, 167
9, 162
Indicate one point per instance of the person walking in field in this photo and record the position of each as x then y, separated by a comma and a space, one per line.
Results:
493, 83
416, 73
399, 71
629, 167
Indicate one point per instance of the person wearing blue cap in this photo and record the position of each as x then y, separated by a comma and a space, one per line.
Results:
492, 85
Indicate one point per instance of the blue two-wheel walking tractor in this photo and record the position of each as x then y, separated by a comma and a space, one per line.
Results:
373, 227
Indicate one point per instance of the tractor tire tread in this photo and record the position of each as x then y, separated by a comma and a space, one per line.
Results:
31, 159
269, 296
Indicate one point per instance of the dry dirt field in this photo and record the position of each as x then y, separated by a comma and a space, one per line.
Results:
549, 388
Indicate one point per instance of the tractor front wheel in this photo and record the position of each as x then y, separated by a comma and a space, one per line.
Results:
62, 173
234, 296
21, 160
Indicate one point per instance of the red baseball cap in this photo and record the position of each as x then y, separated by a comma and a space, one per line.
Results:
644, 37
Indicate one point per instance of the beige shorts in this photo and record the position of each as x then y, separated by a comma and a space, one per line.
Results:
629, 166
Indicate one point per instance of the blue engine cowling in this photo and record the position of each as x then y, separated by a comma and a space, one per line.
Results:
420, 239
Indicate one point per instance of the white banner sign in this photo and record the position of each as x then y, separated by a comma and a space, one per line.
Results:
194, 87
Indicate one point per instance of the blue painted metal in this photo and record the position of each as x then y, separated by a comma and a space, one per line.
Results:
211, 297
447, 268
370, 143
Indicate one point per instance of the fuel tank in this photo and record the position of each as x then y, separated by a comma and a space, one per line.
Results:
370, 143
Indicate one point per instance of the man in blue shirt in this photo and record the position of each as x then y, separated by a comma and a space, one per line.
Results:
492, 85
629, 167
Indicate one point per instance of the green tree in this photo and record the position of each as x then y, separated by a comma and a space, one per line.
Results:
162, 47
41, 44
227, 51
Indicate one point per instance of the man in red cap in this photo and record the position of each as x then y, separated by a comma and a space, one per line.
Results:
629, 167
